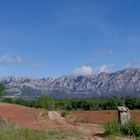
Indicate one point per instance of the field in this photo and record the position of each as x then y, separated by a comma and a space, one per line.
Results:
23, 116
30, 123
100, 117
36, 124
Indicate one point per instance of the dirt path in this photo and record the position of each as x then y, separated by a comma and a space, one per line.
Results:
54, 116
87, 130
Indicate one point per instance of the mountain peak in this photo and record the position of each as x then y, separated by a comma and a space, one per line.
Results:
83, 86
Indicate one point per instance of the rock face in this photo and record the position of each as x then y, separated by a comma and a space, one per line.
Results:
119, 84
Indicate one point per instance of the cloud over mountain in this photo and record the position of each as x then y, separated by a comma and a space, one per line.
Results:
87, 70
84, 70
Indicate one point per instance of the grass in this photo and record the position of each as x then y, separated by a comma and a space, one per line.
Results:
63, 134
131, 129
13, 133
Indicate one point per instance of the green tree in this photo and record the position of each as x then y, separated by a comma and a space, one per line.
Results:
74, 104
46, 102
109, 104
85, 105
131, 102
23, 102
8, 100
2, 89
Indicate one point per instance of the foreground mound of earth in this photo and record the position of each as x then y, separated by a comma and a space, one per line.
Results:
23, 116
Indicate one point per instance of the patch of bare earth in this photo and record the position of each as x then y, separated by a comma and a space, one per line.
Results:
33, 118
23, 116
39, 119
101, 116
87, 130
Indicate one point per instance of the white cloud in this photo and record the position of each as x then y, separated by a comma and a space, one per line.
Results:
84, 70
106, 68
87, 70
10, 59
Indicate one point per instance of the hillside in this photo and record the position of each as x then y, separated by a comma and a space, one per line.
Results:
120, 84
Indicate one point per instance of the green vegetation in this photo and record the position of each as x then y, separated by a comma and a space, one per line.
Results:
63, 134
64, 113
29, 103
13, 133
2, 89
132, 102
45, 102
130, 129
84, 104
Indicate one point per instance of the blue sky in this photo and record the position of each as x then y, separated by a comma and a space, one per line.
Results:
59, 37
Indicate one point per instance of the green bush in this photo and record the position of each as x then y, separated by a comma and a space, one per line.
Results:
8, 100
2, 89
112, 128
46, 102
131, 102
130, 129
64, 113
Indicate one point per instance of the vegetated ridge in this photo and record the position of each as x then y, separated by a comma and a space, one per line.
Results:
119, 84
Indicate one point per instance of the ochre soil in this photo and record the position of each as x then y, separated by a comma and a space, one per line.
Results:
38, 119
100, 117
23, 116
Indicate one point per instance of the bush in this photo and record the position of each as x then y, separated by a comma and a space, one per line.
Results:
46, 102
131, 102
23, 102
8, 100
112, 128
64, 113
2, 89
130, 129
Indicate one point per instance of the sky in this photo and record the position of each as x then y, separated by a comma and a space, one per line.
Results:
50, 38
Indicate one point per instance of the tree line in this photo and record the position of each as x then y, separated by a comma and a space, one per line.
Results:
77, 104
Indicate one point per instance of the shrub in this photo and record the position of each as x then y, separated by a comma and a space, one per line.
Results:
23, 102
112, 128
130, 129
2, 89
131, 102
46, 102
64, 113
8, 100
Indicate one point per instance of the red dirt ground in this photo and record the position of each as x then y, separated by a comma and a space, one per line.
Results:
33, 118
100, 117
23, 116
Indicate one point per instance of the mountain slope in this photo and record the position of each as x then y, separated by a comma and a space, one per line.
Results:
119, 83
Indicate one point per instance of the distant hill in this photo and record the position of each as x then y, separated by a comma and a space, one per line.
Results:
119, 84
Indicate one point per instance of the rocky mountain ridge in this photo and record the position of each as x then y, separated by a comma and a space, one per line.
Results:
121, 83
